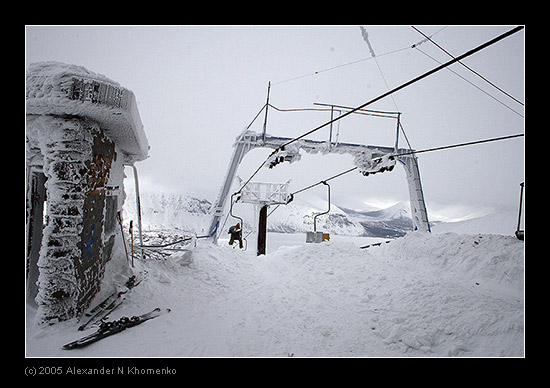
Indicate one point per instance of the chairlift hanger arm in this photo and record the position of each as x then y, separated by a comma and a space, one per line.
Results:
231, 208
323, 213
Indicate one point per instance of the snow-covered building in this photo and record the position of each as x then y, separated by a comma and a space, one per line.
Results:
82, 129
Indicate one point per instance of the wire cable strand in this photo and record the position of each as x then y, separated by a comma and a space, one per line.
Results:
414, 153
402, 86
408, 83
356, 61
474, 85
461, 144
403, 154
340, 66
429, 38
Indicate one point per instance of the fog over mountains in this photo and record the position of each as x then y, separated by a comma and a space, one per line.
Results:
188, 212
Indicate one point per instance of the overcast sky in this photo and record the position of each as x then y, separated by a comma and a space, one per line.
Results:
198, 87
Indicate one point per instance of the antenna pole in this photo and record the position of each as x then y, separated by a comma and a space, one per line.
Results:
266, 109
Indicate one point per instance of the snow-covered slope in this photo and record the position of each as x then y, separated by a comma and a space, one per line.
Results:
184, 212
393, 221
188, 212
297, 217
420, 295
498, 222
191, 213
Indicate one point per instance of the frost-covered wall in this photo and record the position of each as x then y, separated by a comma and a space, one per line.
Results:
79, 137
76, 162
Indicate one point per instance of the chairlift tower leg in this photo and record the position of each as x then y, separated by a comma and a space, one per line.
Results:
262, 230
241, 147
419, 213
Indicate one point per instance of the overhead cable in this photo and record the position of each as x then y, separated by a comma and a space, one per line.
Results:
402, 86
364, 112
357, 61
474, 85
429, 38
399, 123
342, 65
408, 83
413, 153
462, 144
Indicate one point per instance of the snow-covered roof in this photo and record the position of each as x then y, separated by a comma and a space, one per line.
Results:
58, 88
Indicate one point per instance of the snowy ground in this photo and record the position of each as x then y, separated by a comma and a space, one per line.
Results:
421, 295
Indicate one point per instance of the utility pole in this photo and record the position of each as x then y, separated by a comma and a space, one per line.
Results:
266, 109
262, 230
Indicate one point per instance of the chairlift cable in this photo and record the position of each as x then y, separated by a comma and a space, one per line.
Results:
408, 83
402, 86
461, 144
413, 153
474, 85
468, 67
399, 123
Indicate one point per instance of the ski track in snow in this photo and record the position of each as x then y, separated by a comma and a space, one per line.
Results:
421, 295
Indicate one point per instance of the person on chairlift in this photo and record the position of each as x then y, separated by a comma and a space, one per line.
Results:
236, 234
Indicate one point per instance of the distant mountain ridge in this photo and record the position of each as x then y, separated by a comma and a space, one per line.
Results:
188, 212
394, 221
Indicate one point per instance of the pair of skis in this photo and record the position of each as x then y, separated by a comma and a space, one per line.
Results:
107, 329
110, 303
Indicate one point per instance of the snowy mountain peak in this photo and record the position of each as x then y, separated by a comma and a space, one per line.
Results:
399, 210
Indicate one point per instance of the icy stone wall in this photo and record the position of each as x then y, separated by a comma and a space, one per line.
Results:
76, 158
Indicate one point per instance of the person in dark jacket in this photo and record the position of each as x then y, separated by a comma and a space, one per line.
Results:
236, 234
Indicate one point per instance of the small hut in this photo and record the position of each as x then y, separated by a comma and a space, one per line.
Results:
81, 130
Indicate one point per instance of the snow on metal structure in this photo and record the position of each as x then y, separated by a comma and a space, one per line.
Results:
265, 193
366, 158
82, 129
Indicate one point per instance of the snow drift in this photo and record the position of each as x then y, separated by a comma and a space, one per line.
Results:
421, 295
